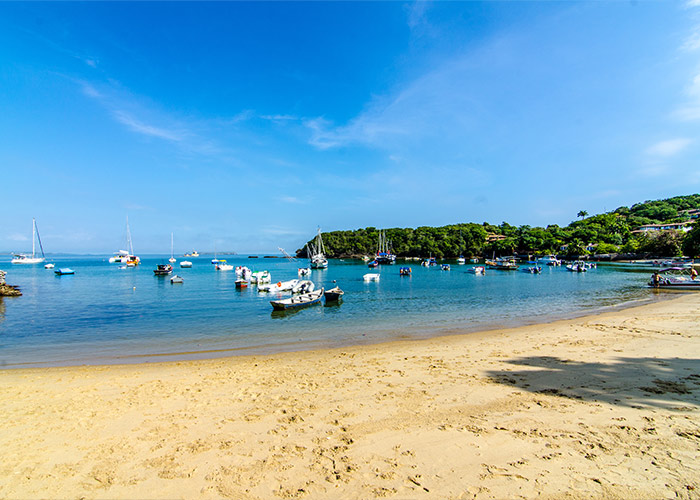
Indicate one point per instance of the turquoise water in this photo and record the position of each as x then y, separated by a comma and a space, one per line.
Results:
104, 314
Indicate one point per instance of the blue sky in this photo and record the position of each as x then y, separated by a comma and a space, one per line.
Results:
245, 126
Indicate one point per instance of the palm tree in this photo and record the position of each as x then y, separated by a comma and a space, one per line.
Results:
582, 214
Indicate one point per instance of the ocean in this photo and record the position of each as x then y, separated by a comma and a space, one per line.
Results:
104, 314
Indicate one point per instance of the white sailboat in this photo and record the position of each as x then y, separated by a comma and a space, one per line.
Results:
124, 256
172, 258
317, 254
33, 259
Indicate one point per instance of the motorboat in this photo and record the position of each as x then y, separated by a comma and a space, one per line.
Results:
298, 301
334, 294
405, 271
177, 279
549, 260
241, 283
477, 270
221, 265
303, 286
577, 267
280, 286
371, 277
445, 267
461, 260
63, 271
33, 258
374, 263
675, 278
533, 269
163, 270
260, 277
50, 265
193, 254
502, 264
185, 263
304, 271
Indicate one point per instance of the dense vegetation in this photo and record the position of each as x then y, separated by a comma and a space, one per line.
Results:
607, 233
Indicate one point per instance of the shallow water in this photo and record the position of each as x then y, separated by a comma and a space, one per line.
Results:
104, 314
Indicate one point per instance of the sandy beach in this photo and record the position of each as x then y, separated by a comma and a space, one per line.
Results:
605, 406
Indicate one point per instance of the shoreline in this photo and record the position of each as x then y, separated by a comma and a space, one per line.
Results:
417, 333
600, 406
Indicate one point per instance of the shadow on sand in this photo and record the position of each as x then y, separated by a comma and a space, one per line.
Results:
670, 383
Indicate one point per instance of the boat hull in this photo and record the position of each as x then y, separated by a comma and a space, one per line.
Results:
298, 302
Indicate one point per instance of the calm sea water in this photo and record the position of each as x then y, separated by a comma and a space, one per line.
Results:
104, 314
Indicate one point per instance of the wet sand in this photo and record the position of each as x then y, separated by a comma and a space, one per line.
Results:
605, 406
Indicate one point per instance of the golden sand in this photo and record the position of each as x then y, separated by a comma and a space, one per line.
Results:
606, 406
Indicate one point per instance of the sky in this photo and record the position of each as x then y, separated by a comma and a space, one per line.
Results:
245, 126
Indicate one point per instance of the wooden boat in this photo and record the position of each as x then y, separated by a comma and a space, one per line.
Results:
333, 294
298, 301
177, 279
163, 269
64, 271
241, 283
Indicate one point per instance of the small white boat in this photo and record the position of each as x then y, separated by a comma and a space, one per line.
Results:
298, 301
177, 279
371, 277
280, 286
260, 277
550, 260
461, 260
334, 294
481, 270
185, 263
64, 271
49, 266
304, 286
304, 271
445, 267
577, 267
223, 266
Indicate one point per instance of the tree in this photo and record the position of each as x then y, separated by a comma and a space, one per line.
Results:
691, 242
582, 214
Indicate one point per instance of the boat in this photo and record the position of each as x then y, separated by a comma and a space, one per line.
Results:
193, 254
371, 277
445, 267
461, 260
280, 286
384, 255
260, 277
686, 264
63, 271
31, 259
405, 271
577, 267
185, 263
304, 271
50, 265
298, 301
374, 263
304, 286
533, 269
241, 283
502, 264
124, 256
172, 258
163, 270
317, 253
221, 265
675, 278
550, 260
333, 294
474, 260
177, 279
430, 261
477, 270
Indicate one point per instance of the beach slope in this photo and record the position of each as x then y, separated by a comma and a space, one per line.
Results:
605, 406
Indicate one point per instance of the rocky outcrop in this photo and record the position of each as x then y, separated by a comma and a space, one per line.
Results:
7, 290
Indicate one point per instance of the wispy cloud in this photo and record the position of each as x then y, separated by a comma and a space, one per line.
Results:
17, 237
670, 147
292, 199
138, 126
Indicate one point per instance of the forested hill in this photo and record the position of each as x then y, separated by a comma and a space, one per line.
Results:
607, 233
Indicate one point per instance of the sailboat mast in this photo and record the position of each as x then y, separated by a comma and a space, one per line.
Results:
128, 237
171, 245
33, 237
